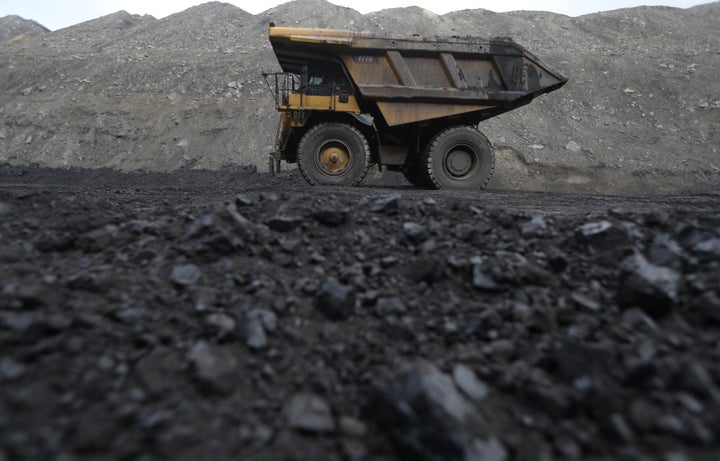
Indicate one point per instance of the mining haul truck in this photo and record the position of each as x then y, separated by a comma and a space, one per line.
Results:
407, 103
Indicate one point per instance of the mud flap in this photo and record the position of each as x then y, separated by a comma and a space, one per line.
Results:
274, 162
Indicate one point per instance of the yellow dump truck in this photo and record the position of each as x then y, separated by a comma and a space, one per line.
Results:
408, 103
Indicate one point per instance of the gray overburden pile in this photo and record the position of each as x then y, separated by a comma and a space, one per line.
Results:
640, 113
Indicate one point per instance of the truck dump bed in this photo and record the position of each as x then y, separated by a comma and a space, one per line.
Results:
413, 79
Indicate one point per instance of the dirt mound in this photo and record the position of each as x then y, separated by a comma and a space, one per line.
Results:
316, 13
411, 20
15, 28
185, 91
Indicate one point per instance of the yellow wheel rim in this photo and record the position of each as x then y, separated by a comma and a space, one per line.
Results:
334, 157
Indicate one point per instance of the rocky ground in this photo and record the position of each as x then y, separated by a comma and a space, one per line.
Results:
639, 115
233, 315
220, 313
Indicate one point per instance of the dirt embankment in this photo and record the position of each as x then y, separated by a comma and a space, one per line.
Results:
640, 112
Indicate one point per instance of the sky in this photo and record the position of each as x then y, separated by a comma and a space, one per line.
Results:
56, 14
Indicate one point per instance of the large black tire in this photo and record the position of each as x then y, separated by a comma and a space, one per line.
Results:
459, 157
334, 154
417, 175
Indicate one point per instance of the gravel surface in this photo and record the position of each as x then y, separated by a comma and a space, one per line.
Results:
233, 315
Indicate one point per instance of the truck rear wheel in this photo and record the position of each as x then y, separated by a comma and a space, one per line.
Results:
459, 157
334, 154
417, 175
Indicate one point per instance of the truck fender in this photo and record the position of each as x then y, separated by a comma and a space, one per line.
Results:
365, 119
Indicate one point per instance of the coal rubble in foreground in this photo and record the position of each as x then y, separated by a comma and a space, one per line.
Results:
354, 325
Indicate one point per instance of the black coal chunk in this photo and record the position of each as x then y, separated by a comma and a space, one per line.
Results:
643, 284
429, 418
335, 301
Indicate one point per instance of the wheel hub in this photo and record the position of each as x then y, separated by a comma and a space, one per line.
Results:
334, 157
459, 162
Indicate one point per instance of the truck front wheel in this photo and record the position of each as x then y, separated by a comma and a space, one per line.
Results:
334, 154
459, 157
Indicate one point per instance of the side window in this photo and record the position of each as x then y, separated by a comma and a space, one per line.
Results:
324, 79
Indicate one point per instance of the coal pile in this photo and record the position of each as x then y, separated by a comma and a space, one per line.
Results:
231, 315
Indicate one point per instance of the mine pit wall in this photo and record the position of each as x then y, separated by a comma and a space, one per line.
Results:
170, 131
138, 132
515, 172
